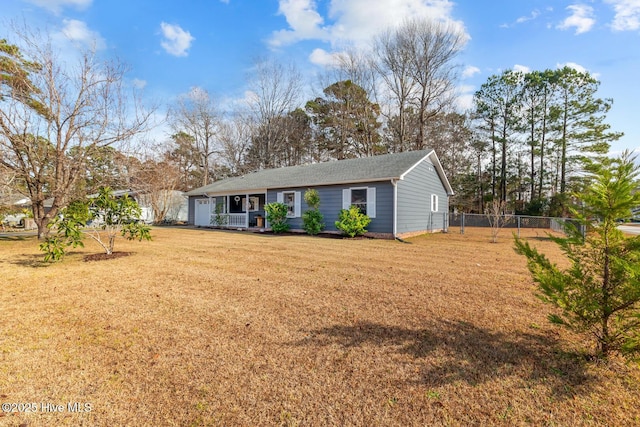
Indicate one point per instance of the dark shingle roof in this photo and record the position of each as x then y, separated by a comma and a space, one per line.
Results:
376, 168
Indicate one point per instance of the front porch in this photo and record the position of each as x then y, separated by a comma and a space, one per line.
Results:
237, 211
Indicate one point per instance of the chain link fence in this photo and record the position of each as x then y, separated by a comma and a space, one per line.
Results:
438, 221
518, 222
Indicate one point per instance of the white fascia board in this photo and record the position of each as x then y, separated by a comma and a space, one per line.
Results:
435, 161
236, 192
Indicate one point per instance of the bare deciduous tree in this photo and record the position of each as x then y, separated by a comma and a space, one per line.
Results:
494, 212
157, 181
196, 115
433, 46
416, 61
235, 141
60, 114
275, 91
393, 65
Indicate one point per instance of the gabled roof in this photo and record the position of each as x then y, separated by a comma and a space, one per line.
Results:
365, 169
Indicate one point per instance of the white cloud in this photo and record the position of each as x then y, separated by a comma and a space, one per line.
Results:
627, 16
78, 32
304, 21
323, 58
465, 102
56, 6
521, 68
581, 19
176, 41
470, 71
465, 97
579, 68
534, 14
354, 22
139, 83
573, 65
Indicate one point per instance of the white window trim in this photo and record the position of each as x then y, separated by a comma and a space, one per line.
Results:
297, 197
371, 199
434, 203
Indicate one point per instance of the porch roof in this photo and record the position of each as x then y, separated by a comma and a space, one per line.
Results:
366, 169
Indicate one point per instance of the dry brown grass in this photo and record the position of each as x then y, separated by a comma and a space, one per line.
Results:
219, 328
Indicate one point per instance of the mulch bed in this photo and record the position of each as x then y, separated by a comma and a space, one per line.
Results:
321, 235
104, 256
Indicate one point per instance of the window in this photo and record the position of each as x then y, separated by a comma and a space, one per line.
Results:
254, 203
359, 199
292, 200
434, 203
364, 198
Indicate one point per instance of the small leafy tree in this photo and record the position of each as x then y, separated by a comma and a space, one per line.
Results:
220, 218
600, 292
352, 221
277, 216
312, 219
116, 215
110, 216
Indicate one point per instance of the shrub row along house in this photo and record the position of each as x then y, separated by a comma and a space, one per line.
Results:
403, 193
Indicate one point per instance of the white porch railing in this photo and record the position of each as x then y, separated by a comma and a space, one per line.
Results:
229, 220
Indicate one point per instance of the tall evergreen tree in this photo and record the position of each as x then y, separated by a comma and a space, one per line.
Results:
497, 105
347, 121
580, 122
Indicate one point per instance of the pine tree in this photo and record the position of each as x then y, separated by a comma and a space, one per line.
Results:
600, 292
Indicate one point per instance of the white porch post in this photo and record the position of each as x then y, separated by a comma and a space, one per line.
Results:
266, 223
246, 211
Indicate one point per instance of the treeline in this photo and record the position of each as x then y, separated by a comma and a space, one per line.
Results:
64, 134
524, 142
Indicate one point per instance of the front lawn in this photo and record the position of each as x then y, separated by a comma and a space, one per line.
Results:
201, 327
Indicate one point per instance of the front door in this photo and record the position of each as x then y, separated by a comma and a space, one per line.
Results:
203, 212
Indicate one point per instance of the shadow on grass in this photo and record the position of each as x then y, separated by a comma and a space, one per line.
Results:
16, 237
30, 260
460, 351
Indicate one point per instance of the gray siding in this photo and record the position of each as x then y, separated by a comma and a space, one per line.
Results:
331, 203
414, 200
191, 218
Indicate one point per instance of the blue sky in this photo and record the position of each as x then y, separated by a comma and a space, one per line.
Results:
172, 46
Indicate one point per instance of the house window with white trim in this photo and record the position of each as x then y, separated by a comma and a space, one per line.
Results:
292, 200
434, 203
289, 199
364, 198
359, 199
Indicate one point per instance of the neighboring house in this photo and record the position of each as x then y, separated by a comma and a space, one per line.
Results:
404, 194
21, 219
172, 201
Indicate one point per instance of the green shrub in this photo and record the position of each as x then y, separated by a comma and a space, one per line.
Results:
352, 222
277, 216
312, 198
220, 218
312, 219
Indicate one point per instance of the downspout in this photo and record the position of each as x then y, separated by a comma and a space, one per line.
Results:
394, 182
